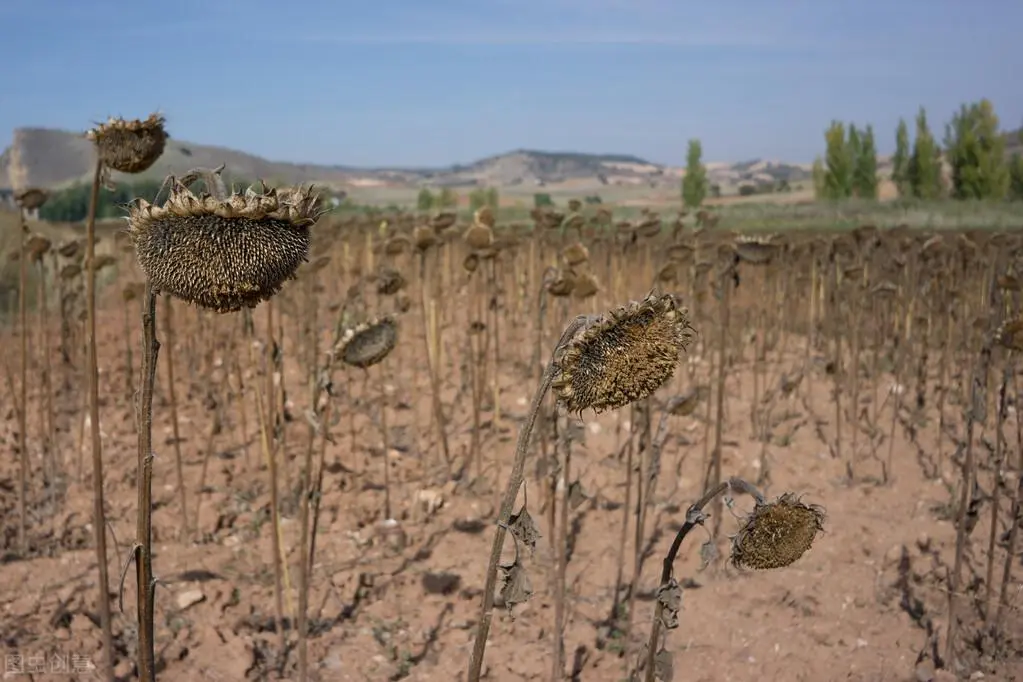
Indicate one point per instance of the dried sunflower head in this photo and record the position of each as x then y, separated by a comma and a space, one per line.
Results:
755, 250
369, 343
560, 284
479, 236
623, 356
484, 216
129, 146
397, 245
37, 247
70, 271
424, 237
443, 221
777, 533
389, 281
31, 198
223, 253
575, 254
1009, 334
584, 285
70, 249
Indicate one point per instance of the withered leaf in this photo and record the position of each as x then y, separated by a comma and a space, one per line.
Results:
576, 495
708, 554
523, 529
669, 596
664, 666
516, 588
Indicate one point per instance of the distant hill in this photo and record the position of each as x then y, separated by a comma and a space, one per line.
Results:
42, 157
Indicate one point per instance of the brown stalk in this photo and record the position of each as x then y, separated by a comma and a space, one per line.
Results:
558, 649
617, 615
270, 454
969, 474
129, 360
316, 426
142, 551
23, 463
98, 513
998, 465
507, 504
641, 434
168, 324
495, 340
1015, 519
47, 417
694, 517
713, 477
432, 356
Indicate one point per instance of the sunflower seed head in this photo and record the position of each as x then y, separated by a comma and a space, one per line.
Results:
31, 198
585, 285
129, 146
1009, 334
389, 281
37, 247
223, 254
479, 236
561, 284
485, 216
575, 254
424, 237
624, 356
776, 534
369, 343
70, 249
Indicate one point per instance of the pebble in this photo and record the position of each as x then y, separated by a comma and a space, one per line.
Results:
189, 598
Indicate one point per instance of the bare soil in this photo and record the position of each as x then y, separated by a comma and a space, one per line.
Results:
867, 603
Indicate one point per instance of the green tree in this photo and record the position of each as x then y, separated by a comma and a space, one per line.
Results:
855, 145
1016, 178
924, 169
900, 160
72, 203
425, 200
865, 165
976, 153
694, 183
477, 199
838, 163
493, 198
447, 198
818, 175
542, 199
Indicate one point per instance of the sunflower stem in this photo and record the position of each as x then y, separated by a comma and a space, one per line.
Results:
511, 493
144, 527
694, 517
92, 372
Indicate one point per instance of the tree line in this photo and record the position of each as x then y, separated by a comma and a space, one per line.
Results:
973, 147
71, 204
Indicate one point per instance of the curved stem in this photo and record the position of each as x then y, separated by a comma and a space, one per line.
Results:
144, 526
92, 372
508, 503
694, 517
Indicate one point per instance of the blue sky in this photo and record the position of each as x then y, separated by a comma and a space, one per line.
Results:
433, 82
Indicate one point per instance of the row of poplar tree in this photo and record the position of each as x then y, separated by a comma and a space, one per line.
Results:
974, 150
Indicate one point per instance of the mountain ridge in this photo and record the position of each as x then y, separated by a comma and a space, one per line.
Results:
52, 158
